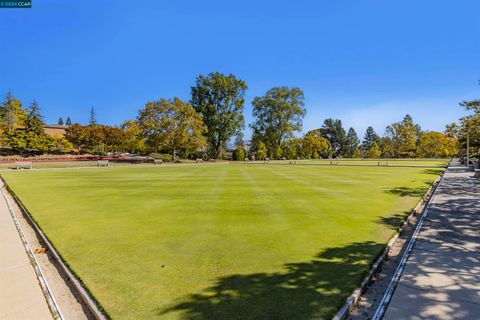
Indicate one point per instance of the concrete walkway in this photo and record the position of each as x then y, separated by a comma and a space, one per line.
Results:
20, 294
441, 279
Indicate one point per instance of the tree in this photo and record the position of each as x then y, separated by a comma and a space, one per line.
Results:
220, 100
369, 137
68, 122
387, 147
11, 113
92, 120
239, 154
470, 125
78, 135
114, 138
172, 125
351, 143
436, 144
452, 130
133, 139
291, 148
239, 140
313, 143
60, 121
279, 113
261, 152
334, 132
61, 144
374, 151
34, 120
404, 136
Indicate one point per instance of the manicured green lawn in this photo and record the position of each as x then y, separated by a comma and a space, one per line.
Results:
226, 241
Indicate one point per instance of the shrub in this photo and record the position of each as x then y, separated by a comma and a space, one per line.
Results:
239, 154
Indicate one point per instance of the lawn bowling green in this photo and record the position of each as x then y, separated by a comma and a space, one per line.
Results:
225, 241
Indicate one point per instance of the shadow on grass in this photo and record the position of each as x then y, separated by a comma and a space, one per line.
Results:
394, 222
410, 191
434, 171
314, 289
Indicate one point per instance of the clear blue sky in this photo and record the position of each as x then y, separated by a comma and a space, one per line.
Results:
365, 62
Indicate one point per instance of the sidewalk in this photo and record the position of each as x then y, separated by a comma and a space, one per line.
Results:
20, 294
441, 279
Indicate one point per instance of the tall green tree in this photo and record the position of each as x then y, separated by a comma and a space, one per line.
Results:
172, 125
351, 143
369, 137
11, 113
404, 135
60, 121
68, 122
34, 120
220, 100
334, 132
278, 114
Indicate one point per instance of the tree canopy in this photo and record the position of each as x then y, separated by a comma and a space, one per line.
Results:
220, 100
278, 114
334, 132
172, 125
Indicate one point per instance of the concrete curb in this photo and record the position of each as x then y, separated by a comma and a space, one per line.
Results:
353, 299
82, 291
47, 292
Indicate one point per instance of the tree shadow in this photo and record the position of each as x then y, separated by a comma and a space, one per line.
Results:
314, 289
436, 172
405, 191
394, 222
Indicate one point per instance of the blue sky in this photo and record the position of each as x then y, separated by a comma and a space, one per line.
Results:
365, 62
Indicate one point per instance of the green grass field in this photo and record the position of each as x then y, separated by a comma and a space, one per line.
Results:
226, 241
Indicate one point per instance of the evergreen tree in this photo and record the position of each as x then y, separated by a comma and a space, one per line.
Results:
60, 121
93, 119
370, 137
11, 113
34, 120
334, 132
352, 143
68, 122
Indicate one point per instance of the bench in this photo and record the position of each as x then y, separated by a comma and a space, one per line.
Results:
102, 163
157, 161
267, 160
23, 164
199, 160
293, 162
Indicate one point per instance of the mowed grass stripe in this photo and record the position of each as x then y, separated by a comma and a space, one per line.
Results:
220, 241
